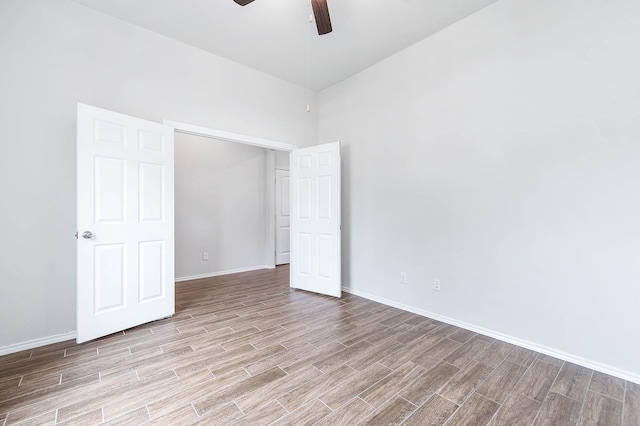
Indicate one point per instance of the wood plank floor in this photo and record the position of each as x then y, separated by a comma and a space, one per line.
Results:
246, 349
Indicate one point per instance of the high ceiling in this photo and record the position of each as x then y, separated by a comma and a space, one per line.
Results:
272, 35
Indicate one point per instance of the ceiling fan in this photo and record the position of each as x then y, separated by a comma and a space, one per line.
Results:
320, 11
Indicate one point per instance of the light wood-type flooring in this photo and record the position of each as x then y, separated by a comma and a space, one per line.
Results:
246, 349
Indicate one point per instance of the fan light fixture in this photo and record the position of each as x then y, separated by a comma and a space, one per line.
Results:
320, 11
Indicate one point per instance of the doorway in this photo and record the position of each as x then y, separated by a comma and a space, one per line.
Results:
125, 209
221, 207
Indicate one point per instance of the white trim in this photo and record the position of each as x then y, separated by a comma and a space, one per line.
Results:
228, 136
594, 365
36, 343
217, 274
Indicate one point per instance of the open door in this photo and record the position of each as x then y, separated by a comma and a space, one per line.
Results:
315, 219
283, 217
125, 247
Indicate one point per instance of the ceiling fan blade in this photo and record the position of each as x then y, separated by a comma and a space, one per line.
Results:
321, 12
243, 2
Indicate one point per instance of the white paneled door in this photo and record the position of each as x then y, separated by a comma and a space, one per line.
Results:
315, 219
125, 253
283, 217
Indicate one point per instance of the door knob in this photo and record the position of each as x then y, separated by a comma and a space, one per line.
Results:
87, 235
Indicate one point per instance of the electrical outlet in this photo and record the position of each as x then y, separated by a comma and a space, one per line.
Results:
205, 255
436, 285
403, 277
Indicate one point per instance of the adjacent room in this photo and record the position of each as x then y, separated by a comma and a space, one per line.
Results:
487, 211
220, 208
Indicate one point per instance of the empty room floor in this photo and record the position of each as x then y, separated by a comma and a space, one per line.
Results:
246, 349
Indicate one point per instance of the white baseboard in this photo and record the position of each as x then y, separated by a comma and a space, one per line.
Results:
36, 343
217, 274
603, 368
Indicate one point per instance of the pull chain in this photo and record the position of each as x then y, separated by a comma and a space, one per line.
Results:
309, 62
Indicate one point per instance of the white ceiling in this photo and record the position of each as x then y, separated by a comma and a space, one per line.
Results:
272, 35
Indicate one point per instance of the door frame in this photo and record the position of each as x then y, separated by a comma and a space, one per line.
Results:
270, 145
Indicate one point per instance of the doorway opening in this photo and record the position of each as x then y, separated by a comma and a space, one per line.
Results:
222, 213
258, 159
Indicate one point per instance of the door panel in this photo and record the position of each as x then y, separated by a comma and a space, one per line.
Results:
110, 185
151, 266
151, 192
109, 276
125, 200
315, 219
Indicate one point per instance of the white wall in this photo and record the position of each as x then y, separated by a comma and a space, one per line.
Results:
502, 156
221, 200
282, 160
53, 54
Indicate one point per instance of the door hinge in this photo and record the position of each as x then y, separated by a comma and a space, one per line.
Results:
76, 235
